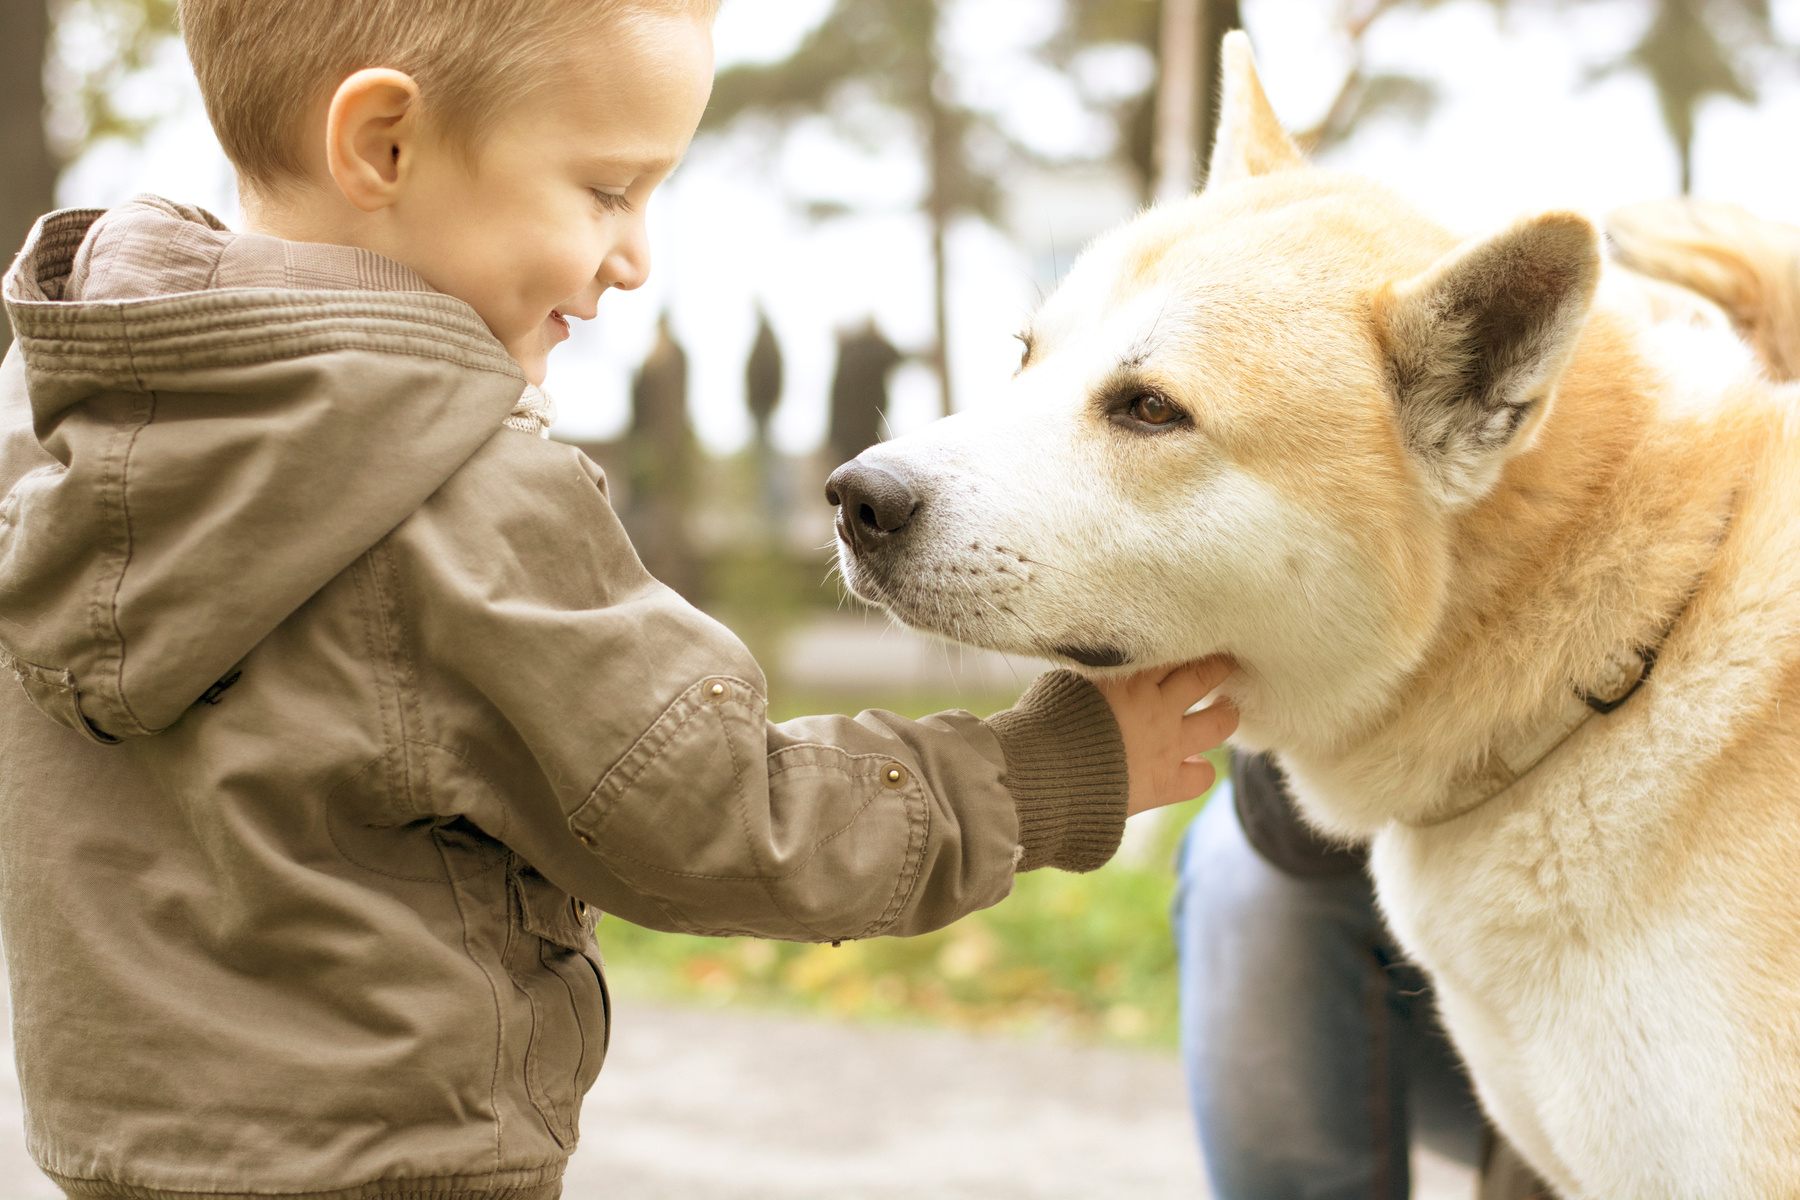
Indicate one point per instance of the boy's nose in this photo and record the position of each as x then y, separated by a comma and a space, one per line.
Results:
628, 266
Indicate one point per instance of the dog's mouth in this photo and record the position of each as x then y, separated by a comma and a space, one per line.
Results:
1093, 656
928, 609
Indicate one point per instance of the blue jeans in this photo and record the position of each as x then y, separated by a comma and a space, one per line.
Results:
1313, 1052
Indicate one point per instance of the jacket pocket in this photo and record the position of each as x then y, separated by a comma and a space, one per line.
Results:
554, 962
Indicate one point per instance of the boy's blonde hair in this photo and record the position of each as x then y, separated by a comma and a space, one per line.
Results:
264, 64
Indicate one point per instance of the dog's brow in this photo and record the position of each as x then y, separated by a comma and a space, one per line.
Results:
1025, 336
1138, 355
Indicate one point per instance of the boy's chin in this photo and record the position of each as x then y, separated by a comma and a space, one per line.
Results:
533, 360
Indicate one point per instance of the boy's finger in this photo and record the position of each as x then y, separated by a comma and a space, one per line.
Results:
1194, 777
1191, 779
1205, 729
1190, 683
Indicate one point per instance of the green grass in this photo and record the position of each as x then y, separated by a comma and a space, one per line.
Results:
1082, 955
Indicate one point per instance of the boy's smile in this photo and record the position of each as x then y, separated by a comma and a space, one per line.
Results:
547, 213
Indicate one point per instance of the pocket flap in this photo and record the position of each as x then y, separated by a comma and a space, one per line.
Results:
551, 913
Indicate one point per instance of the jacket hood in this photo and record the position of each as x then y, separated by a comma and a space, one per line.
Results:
199, 430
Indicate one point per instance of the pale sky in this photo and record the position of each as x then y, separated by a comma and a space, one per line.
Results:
1518, 129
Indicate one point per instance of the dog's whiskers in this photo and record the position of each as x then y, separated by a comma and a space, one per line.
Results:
1038, 562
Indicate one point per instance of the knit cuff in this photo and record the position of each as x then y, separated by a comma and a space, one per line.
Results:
1065, 768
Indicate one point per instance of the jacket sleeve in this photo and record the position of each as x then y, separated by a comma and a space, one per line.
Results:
668, 797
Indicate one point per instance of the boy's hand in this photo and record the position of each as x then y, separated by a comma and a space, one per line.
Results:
1163, 746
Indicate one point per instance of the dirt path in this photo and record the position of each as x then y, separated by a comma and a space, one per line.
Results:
700, 1104
756, 1107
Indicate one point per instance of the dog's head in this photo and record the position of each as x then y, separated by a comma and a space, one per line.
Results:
1245, 423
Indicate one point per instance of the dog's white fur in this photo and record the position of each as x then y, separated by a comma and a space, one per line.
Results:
1420, 488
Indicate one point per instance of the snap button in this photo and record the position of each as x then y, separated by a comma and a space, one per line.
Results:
716, 692
893, 776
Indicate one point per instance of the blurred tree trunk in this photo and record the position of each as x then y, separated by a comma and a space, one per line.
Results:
1187, 91
27, 167
944, 154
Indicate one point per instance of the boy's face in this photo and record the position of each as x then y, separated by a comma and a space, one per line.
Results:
552, 213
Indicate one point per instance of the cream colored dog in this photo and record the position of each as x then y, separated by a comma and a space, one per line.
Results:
1446, 502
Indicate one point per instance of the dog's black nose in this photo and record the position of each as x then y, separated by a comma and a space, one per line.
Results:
872, 502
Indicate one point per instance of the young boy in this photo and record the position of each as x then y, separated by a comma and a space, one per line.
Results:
360, 706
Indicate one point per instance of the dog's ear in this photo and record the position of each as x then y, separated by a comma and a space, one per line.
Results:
1476, 344
1250, 140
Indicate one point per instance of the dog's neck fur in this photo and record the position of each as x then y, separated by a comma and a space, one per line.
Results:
1560, 565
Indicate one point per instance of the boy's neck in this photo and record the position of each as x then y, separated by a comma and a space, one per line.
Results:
305, 212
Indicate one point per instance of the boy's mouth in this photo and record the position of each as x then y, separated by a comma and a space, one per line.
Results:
560, 322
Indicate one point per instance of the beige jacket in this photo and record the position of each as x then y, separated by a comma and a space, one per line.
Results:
344, 709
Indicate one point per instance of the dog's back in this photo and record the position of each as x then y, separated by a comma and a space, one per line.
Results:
1748, 266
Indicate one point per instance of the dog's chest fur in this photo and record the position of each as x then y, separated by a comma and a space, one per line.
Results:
1612, 938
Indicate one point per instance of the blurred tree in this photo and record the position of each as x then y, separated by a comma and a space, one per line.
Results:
1690, 50
762, 377
1091, 23
662, 465
118, 39
1362, 95
762, 390
1693, 49
889, 47
859, 390
28, 185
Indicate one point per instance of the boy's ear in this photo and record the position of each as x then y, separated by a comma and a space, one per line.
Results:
1476, 343
370, 135
1250, 140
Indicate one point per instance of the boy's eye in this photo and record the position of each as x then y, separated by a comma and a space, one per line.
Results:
611, 201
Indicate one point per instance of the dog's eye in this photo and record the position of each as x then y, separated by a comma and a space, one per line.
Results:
1152, 409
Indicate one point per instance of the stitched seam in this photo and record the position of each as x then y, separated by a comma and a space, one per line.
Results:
505, 814
690, 696
837, 750
762, 878
516, 895
103, 615
499, 1016
45, 355
737, 774
569, 1123
104, 335
547, 1116
402, 777
651, 751
674, 874
767, 883
119, 586
912, 866
405, 681
369, 592
626, 782
331, 833
449, 319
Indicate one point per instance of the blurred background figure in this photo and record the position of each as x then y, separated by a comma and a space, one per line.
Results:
663, 467
762, 393
859, 390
